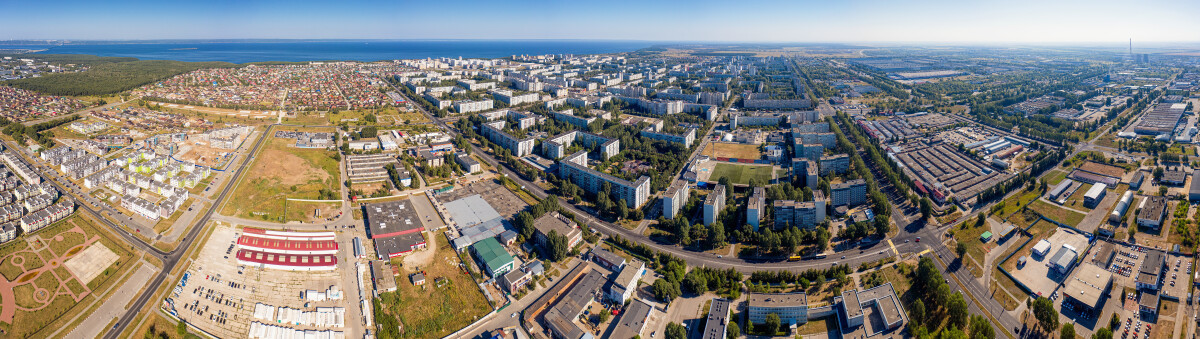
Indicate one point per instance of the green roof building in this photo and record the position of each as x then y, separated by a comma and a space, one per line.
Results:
986, 236
495, 260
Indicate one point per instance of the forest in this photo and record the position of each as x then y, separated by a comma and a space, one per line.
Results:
106, 75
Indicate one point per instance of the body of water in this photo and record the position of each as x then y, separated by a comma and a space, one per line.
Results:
242, 52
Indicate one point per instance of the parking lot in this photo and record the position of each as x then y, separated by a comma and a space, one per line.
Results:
218, 296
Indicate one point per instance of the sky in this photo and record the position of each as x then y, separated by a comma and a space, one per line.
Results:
1105, 21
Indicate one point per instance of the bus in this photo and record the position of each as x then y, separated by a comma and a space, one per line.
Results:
795, 258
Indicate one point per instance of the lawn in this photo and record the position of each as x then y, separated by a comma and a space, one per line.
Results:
741, 174
732, 150
432, 312
1065, 216
1054, 177
1000, 284
967, 235
816, 326
1014, 203
266, 185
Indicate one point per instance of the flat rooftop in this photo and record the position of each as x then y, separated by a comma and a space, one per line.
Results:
471, 210
392, 218
777, 299
718, 317
1088, 285
852, 304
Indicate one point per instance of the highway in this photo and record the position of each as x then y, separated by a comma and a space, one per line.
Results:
172, 258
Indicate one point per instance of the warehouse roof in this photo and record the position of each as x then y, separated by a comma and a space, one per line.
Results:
471, 210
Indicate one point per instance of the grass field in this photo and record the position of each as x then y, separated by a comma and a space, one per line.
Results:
741, 174
731, 150
46, 296
968, 234
432, 312
306, 211
1000, 284
266, 185
1054, 177
1057, 213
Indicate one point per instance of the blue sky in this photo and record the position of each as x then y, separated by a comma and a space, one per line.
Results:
729, 20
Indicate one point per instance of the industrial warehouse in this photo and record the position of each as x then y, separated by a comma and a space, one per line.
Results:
943, 172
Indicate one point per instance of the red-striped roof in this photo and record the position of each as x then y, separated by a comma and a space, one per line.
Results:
298, 260
287, 245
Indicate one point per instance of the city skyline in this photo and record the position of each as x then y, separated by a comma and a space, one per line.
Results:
702, 21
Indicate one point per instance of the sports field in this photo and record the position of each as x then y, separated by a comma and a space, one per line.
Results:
732, 150
279, 172
741, 174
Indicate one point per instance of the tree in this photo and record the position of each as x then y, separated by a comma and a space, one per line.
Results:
957, 310
1068, 331
676, 331
603, 316
716, 235
771, 324
917, 312
732, 331
181, 328
1114, 323
557, 246
695, 282
961, 249
665, 290
926, 208
981, 328
1103, 333
1043, 311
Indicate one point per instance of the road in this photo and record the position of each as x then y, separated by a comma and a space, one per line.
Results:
911, 230
172, 258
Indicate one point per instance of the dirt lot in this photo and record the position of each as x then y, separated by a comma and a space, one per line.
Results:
430, 311
731, 150
281, 172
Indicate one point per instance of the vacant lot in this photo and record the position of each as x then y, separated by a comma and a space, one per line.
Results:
741, 174
280, 172
1057, 213
731, 150
1054, 177
430, 311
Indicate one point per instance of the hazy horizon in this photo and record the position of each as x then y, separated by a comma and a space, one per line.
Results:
761, 21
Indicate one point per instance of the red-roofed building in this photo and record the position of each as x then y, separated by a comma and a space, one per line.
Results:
283, 242
287, 262
287, 246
